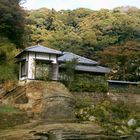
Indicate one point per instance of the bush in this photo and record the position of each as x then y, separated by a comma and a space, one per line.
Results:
7, 72
89, 83
8, 67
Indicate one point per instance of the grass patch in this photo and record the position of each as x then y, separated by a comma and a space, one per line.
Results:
8, 109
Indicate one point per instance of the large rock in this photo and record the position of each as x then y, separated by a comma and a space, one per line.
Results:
55, 131
131, 122
44, 100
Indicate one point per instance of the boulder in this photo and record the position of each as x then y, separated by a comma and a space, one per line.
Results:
131, 122
92, 118
44, 100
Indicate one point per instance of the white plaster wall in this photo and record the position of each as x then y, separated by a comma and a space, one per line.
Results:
31, 65
42, 56
30, 58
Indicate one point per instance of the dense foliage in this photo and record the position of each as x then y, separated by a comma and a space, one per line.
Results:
111, 36
7, 64
81, 82
12, 22
87, 83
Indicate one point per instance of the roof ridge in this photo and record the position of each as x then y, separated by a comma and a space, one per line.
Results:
31, 47
49, 48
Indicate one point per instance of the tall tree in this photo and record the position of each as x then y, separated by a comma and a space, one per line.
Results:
124, 61
12, 21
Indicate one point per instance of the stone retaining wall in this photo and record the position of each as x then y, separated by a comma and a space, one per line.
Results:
96, 97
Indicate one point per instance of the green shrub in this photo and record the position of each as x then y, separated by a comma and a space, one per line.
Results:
8, 72
82, 103
8, 109
89, 83
81, 82
8, 68
68, 72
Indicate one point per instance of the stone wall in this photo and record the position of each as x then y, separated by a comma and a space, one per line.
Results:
125, 97
96, 97
89, 96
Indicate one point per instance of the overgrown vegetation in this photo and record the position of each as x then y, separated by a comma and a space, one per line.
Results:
81, 82
113, 116
67, 74
89, 83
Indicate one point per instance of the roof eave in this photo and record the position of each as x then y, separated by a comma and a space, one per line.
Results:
17, 56
93, 71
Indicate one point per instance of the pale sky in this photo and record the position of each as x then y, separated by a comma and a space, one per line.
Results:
73, 4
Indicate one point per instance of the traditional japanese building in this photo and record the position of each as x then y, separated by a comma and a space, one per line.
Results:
83, 65
39, 62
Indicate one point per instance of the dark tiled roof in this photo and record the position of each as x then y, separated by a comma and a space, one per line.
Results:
68, 56
42, 49
97, 69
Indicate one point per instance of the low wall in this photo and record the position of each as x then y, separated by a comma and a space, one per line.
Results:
89, 96
125, 97
96, 97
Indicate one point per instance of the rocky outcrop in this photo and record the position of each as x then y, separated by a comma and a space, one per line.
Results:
12, 119
61, 131
57, 131
49, 101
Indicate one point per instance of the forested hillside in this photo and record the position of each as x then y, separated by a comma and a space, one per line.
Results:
110, 36
12, 23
